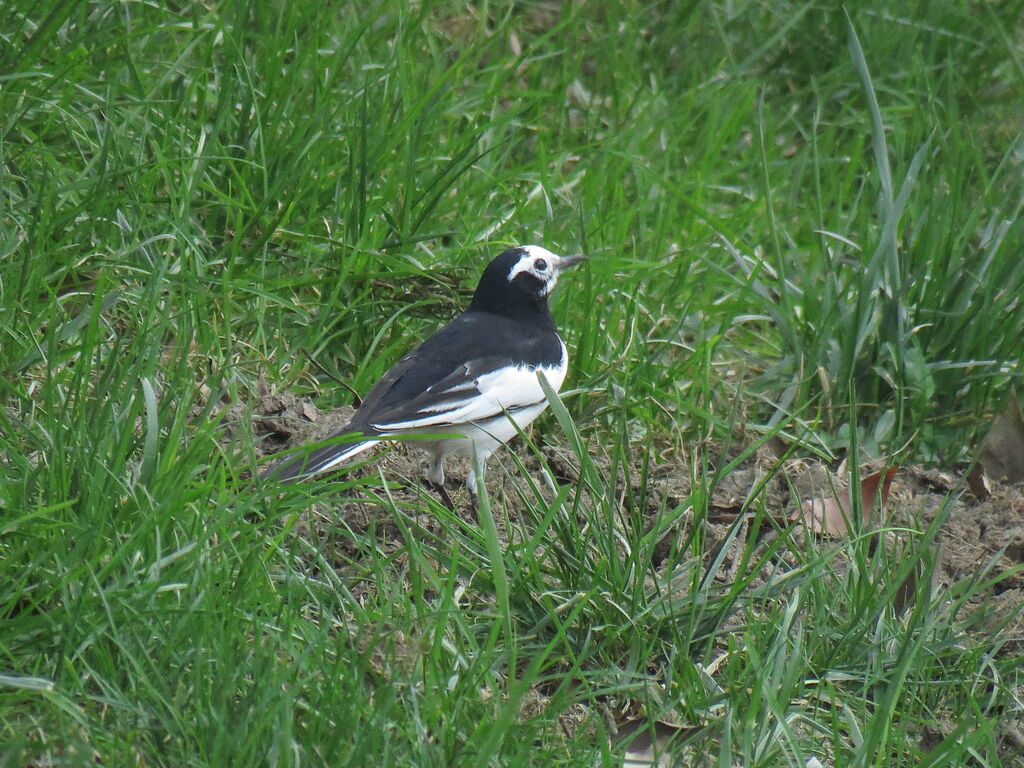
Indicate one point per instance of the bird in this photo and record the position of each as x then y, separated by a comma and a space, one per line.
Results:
471, 386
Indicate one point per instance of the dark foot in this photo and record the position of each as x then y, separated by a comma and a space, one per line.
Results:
442, 493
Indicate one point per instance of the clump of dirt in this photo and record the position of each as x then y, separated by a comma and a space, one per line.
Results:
287, 421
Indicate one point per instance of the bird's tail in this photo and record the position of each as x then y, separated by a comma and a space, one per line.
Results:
320, 460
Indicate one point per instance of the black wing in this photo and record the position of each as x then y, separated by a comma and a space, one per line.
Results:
444, 370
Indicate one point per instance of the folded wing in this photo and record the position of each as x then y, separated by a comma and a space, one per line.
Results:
473, 392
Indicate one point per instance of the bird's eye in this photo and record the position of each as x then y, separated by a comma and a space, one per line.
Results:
540, 265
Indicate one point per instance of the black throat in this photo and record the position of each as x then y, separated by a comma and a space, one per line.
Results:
522, 299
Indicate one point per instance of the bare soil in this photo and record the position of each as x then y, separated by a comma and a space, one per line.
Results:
981, 539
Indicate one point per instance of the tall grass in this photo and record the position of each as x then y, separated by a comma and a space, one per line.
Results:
788, 213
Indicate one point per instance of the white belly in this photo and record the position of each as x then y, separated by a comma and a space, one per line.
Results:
483, 437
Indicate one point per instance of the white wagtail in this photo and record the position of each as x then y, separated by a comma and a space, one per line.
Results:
475, 379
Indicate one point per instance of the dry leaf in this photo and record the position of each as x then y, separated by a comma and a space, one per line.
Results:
1002, 450
831, 515
978, 483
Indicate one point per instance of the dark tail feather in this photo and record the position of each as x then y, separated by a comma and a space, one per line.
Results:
320, 460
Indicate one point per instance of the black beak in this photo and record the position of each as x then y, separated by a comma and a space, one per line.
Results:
567, 262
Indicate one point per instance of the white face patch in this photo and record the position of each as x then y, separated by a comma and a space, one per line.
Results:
539, 262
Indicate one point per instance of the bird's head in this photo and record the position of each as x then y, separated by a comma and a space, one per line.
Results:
535, 270
520, 276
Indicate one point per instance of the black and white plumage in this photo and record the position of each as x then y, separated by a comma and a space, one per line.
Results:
472, 379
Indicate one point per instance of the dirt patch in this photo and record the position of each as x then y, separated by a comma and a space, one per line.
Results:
980, 539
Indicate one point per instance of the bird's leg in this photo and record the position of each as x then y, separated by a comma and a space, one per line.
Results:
435, 480
446, 499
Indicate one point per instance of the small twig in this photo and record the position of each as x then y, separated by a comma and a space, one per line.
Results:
357, 400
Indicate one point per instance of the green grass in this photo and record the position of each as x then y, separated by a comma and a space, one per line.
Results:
802, 224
